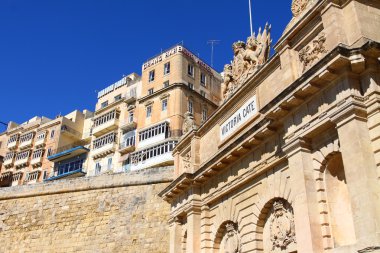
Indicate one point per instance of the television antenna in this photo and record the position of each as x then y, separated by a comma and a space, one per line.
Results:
213, 43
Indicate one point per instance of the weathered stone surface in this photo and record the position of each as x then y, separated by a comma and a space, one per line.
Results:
110, 213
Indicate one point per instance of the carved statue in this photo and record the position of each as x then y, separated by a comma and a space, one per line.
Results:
186, 161
248, 58
313, 52
282, 230
228, 80
299, 6
231, 241
188, 123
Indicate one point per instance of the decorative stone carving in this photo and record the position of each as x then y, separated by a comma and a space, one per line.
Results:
231, 240
282, 229
298, 6
248, 58
313, 52
188, 123
186, 161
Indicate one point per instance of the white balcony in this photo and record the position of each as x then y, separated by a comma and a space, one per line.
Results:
22, 162
8, 163
26, 144
12, 145
40, 143
104, 150
106, 127
128, 125
36, 161
126, 147
161, 160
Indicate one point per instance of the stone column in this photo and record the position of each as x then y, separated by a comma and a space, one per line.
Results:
175, 227
360, 170
305, 205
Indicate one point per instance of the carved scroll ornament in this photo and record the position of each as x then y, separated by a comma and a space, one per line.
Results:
313, 52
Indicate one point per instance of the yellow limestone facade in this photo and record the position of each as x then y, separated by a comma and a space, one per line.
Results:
290, 161
26, 147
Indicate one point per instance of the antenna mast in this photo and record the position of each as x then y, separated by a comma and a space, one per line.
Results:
213, 43
250, 16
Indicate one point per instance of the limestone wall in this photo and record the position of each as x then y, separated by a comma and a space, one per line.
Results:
109, 213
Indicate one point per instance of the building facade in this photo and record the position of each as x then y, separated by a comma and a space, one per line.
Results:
178, 89
290, 161
29, 145
114, 126
139, 120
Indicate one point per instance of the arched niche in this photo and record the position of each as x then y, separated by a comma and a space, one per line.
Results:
338, 201
227, 239
278, 228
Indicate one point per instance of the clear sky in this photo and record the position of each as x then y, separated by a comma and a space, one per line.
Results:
55, 54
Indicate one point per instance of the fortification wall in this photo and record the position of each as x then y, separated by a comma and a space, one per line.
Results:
109, 213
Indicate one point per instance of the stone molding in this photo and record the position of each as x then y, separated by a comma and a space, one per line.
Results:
154, 176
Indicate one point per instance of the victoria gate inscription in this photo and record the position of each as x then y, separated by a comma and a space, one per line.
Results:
242, 115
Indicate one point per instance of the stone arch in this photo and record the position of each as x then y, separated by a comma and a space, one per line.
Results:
263, 217
333, 197
220, 233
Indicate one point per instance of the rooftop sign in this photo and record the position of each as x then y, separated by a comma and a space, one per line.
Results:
173, 51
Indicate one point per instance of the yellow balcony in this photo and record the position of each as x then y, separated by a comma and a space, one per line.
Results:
106, 127
104, 150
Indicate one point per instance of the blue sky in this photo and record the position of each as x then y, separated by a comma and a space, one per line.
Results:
54, 54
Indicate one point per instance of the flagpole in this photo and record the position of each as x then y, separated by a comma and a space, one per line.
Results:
250, 16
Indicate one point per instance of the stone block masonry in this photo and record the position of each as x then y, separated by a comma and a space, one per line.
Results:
109, 213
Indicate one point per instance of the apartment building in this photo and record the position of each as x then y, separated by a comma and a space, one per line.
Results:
114, 126
29, 145
4, 180
71, 158
173, 83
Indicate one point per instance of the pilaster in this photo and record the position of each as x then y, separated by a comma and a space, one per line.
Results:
305, 204
360, 171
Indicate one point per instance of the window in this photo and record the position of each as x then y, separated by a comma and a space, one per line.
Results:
49, 152
45, 175
190, 70
204, 114
151, 76
109, 163
203, 94
98, 168
203, 79
162, 128
190, 106
1, 144
130, 117
166, 84
104, 104
152, 152
164, 104
148, 111
52, 134
118, 97
191, 86
150, 91
167, 68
